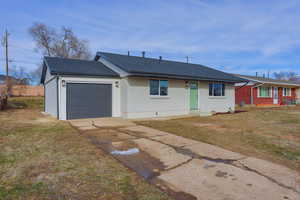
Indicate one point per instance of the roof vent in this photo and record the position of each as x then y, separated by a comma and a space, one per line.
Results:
187, 59
143, 54
128, 53
160, 58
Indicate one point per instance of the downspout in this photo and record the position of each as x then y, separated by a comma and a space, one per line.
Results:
44, 98
252, 91
57, 97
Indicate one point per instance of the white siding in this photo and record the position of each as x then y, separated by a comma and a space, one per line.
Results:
139, 104
116, 92
48, 75
51, 97
216, 104
132, 100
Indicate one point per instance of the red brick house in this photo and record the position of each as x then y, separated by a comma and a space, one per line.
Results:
265, 91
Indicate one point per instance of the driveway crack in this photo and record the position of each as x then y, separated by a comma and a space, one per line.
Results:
232, 162
242, 166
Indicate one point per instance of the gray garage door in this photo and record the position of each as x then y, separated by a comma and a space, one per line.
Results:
88, 100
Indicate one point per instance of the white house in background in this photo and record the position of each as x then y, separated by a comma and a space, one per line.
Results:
115, 85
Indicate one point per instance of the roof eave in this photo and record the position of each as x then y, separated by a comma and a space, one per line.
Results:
136, 74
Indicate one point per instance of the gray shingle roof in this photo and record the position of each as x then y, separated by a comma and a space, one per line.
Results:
268, 80
139, 66
66, 66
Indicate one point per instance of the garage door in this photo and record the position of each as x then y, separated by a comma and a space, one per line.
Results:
89, 100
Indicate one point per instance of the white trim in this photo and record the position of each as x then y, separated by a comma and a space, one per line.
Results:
158, 95
62, 91
290, 93
271, 92
113, 67
215, 82
275, 101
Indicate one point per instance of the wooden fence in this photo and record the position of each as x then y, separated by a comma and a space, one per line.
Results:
24, 90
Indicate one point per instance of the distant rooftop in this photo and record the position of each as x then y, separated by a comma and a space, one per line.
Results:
267, 80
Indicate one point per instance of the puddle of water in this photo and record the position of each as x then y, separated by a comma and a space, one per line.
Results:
133, 158
127, 152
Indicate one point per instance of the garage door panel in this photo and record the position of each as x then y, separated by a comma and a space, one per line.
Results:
87, 100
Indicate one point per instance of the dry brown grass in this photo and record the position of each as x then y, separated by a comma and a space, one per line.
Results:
42, 158
269, 133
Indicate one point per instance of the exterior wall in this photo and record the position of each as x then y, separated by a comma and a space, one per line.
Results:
116, 94
298, 95
283, 100
137, 103
261, 100
48, 75
216, 104
51, 97
243, 94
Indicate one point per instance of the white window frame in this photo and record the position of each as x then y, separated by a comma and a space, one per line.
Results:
158, 95
221, 89
287, 89
271, 93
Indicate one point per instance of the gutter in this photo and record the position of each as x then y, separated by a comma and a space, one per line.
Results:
243, 85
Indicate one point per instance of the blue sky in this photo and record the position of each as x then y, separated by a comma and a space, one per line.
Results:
235, 36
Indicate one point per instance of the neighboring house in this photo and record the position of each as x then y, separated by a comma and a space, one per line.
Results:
126, 86
266, 91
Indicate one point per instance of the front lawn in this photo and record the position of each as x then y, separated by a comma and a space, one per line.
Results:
268, 133
42, 158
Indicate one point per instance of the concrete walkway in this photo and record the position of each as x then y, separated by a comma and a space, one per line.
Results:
188, 169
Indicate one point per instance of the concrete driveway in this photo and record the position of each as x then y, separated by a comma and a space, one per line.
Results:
189, 169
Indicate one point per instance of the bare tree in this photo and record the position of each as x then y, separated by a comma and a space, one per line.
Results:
285, 75
63, 43
20, 76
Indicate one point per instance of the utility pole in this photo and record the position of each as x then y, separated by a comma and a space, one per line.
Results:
5, 45
6, 56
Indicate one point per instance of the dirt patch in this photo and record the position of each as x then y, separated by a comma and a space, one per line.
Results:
45, 160
172, 190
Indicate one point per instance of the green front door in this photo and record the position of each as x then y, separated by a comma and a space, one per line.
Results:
193, 96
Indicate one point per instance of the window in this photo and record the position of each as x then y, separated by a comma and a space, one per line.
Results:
216, 89
265, 92
159, 87
287, 92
